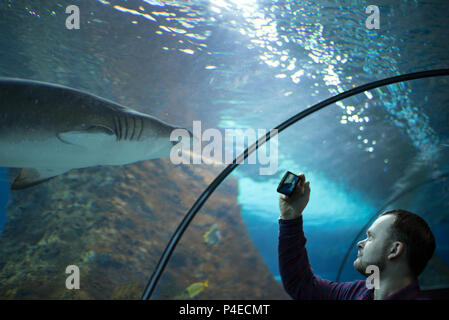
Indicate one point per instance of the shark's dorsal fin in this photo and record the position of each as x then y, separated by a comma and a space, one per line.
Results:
31, 176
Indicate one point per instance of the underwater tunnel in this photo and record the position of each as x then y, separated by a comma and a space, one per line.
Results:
438, 293
375, 138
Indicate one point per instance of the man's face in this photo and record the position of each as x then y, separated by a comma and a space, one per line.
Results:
373, 250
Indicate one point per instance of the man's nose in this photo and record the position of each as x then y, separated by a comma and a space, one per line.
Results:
360, 244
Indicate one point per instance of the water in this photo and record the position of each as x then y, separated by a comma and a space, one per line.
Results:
231, 64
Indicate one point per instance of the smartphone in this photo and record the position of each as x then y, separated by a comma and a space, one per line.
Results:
288, 183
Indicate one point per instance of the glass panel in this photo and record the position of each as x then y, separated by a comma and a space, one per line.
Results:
228, 64
355, 169
216, 258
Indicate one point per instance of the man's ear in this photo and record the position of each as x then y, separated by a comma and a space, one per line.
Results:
397, 248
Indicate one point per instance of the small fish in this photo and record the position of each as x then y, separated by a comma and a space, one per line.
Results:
213, 235
196, 288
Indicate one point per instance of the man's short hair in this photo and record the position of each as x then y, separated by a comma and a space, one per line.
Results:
415, 233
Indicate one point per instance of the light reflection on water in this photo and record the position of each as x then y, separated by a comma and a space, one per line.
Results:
297, 41
298, 52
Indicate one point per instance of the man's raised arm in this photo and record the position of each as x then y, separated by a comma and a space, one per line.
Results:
296, 273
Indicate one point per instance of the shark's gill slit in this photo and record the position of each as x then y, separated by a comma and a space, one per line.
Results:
119, 127
114, 120
141, 129
123, 126
134, 128
126, 127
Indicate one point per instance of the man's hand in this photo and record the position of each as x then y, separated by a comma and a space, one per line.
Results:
292, 207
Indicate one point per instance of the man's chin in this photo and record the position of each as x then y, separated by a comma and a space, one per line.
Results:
358, 266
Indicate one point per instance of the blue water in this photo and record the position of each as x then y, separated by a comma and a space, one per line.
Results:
253, 64
329, 228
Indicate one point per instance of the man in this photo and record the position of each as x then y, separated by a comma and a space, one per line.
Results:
399, 243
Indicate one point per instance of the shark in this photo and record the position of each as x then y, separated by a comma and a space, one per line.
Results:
47, 130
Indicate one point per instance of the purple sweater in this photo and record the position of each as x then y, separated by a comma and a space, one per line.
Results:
300, 282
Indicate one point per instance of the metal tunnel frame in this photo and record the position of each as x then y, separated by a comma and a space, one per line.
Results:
151, 285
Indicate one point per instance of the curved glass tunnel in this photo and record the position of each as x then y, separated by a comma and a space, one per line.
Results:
230, 65
344, 197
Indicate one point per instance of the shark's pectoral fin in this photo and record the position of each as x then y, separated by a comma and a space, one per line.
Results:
31, 176
90, 137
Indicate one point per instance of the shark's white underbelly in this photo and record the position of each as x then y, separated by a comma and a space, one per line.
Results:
53, 153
